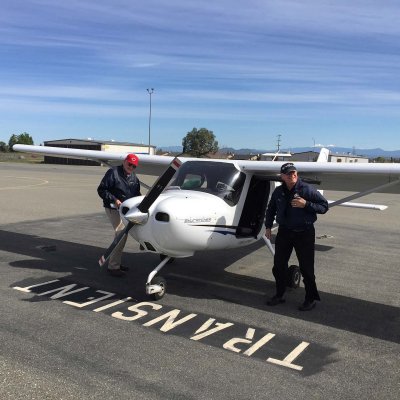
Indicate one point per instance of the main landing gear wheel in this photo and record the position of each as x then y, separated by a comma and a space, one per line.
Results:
294, 277
162, 283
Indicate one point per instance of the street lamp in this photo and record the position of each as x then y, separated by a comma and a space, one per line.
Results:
150, 92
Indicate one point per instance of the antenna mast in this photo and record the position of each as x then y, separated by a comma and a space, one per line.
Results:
278, 143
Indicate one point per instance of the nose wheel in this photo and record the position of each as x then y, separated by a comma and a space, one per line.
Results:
156, 286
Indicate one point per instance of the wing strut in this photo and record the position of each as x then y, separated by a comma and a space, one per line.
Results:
364, 193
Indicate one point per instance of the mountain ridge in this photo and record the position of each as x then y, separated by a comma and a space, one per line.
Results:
376, 152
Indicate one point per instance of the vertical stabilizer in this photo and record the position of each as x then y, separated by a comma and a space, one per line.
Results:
323, 155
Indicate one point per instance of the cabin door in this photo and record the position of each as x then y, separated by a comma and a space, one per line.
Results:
253, 213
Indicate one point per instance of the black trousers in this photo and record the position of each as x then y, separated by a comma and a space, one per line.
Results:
304, 244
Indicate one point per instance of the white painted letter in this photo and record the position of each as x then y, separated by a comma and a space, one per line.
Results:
115, 303
265, 339
287, 361
206, 325
91, 299
230, 344
63, 291
28, 288
135, 308
170, 323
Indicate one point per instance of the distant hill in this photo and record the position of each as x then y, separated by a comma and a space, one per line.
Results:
371, 153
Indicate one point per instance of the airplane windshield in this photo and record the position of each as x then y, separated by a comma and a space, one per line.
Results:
220, 179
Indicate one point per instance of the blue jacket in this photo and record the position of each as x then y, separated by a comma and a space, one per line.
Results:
293, 217
117, 185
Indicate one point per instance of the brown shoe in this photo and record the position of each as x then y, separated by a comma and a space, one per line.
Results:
116, 272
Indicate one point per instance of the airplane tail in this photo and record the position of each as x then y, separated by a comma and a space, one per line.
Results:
323, 155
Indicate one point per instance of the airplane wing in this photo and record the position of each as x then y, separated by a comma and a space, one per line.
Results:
353, 177
148, 164
336, 176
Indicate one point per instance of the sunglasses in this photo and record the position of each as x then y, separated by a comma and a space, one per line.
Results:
131, 165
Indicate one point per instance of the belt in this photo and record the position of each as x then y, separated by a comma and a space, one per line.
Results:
298, 230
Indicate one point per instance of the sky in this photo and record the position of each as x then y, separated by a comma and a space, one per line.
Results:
316, 72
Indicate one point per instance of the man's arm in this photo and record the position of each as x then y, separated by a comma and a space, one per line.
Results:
317, 203
105, 186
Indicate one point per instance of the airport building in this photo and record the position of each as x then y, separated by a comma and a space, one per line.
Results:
91, 144
333, 157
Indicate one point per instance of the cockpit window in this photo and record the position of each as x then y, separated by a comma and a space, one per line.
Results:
220, 179
194, 181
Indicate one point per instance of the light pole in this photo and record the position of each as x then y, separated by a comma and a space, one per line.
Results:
150, 92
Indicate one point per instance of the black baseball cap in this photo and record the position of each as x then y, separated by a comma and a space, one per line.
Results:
288, 167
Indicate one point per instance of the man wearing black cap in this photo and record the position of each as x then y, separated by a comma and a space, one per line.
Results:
119, 184
295, 205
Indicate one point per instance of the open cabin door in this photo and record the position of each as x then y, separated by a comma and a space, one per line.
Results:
253, 213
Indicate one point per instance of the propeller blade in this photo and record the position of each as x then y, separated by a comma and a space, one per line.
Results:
159, 186
103, 259
144, 205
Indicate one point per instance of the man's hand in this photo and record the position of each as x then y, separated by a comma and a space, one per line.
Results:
268, 233
117, 203
298, 202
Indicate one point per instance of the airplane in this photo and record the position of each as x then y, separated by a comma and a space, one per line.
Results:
202, 204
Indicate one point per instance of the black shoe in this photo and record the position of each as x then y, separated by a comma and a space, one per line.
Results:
123, 268
308, 305
116, 272
273, 301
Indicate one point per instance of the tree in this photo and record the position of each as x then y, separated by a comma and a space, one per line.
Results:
3, 147
23, 138
200, 142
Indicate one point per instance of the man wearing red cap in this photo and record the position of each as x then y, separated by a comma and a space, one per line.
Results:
119, 184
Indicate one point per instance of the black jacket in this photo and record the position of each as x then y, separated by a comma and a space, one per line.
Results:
293, 217
116, 185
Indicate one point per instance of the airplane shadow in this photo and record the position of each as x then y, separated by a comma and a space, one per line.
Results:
205, 276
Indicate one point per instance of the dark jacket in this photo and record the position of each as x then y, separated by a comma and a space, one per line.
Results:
293, 217
116, 185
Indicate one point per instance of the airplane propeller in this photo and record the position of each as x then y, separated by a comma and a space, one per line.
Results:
140, 214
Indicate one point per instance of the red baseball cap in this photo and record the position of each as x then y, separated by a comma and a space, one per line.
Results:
132, 159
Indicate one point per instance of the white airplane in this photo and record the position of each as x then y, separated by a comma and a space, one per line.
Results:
202, 204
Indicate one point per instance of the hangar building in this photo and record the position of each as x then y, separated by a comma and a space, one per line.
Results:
89, 144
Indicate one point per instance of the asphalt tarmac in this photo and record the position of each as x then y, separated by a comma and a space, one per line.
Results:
68, 330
